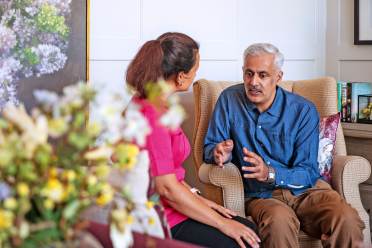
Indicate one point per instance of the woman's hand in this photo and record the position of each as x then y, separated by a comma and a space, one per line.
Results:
220, 209
240, 233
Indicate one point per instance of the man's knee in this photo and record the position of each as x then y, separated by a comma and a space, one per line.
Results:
348, 217
279, 219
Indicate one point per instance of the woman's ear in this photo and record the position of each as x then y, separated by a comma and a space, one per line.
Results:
180, 78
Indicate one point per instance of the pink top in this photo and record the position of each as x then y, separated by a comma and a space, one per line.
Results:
168, 150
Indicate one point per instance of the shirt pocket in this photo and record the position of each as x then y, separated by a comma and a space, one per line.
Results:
279, 146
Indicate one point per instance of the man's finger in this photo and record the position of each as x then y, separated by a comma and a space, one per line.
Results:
250, 154
251, 160
228, 143
252, 175
251, 168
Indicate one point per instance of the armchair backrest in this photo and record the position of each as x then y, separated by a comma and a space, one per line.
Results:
322, 92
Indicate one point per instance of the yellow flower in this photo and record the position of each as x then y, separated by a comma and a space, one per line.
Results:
119, 215
91, 180
68, 190
130, 219
69, 175
103, 152
102, 171
151, 221
53, 172
57, 127
6, 219
22, 189
149, 204
132, 150
10, 203
105, 196
54, 190
129, 164
94, 128
48, 204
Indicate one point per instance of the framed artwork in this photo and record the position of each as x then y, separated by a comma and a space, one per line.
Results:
43, 45
363, 22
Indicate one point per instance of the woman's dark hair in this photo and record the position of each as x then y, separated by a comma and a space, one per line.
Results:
157, 59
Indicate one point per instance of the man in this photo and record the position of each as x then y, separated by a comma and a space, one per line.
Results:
272, 136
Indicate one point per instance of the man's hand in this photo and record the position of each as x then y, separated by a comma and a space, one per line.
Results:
222, 152
258, 170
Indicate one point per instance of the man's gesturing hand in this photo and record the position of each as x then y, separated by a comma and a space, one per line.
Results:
222, 152
259, 169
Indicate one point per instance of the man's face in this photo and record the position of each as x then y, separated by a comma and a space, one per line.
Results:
260, 77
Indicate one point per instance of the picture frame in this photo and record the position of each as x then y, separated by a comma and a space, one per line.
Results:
72, 46
362, 22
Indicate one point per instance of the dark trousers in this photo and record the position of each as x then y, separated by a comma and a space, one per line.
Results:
194, 232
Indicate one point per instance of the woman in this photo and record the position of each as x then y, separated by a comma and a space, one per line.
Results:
174, 57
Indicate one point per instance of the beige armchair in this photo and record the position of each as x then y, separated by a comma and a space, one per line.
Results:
225, 185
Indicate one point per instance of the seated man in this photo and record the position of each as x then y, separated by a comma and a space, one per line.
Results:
272, 136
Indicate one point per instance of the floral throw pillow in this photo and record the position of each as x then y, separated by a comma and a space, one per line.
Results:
327, 140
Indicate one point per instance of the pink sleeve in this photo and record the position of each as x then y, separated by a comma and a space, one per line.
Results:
159, 146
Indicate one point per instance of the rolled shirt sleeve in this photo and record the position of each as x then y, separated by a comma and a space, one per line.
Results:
303, 170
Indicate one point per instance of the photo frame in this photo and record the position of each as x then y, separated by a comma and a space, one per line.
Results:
56, 55
362, 22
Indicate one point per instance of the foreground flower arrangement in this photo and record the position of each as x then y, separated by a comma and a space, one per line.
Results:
54, 164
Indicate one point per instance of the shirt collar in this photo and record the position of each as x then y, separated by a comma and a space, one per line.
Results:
276, 107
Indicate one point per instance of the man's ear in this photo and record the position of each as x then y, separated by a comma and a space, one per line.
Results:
279, 76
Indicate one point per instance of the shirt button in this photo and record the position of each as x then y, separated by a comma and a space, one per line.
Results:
259, 126
281, 182
268, 162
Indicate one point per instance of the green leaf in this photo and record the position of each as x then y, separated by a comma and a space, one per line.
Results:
79, 120
42, 238
80, 141
6, 157
27, 172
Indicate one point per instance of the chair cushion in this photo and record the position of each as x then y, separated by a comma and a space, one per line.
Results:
327, 140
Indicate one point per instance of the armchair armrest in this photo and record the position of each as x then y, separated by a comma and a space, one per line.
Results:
230, 180
347, 173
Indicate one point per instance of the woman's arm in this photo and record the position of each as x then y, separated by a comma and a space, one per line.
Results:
180, 198
220, 209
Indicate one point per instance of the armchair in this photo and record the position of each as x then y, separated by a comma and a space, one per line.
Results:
225, 186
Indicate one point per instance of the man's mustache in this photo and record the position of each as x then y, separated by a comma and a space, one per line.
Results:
258, 88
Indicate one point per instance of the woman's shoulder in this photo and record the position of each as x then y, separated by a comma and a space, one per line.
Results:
149, 110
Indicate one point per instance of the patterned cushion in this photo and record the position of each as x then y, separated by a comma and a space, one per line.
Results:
327, 140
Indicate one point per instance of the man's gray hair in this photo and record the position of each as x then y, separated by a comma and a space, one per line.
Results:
260, 48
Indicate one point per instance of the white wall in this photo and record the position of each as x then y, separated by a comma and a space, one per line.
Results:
222, 27
344, 60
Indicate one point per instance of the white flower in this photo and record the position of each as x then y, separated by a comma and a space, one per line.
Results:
8, 69
46, 97
136, 127
121, 239
102, 152
51, 58
174, 116
34, 132
7, 39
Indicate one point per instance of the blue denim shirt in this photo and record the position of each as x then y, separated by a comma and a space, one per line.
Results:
286, 136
